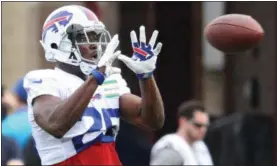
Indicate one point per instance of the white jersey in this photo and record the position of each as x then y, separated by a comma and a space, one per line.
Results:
102, 113
195, 154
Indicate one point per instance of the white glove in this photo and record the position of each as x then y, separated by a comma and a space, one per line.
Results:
143, 61
107, 60
109, 56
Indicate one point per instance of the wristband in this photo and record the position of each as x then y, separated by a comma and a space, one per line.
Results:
99, 77
144, 76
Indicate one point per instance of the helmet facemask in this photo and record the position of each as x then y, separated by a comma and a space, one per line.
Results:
91, 44
88, 44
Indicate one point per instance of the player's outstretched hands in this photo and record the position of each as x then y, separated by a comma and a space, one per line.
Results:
106, 61
143, 61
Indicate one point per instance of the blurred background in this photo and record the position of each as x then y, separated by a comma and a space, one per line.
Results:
239, 90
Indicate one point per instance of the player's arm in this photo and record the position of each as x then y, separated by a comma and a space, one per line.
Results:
57, 116
147, 111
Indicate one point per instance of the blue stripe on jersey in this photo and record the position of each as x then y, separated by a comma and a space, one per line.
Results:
92, 112
108, 114
114, 113
107, 139
97, 126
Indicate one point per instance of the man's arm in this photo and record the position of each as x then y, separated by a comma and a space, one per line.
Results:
166, 157
146, 112
56, 116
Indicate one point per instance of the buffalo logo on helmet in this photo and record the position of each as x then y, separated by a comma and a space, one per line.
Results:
62, 18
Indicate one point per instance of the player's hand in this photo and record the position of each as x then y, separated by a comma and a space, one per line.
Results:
143, 61
104, 66
109, 55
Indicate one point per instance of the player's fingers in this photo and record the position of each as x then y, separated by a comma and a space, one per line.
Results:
158, 48
116, 70
112, 70
113, 44
128, 61
115, 38
153, 38
114, 56
134, 38
108, 57
142, 36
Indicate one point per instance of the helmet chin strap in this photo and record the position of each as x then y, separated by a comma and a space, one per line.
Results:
87, 68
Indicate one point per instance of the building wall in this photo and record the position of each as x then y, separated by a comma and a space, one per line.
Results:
257, 64
19, 47
213, 64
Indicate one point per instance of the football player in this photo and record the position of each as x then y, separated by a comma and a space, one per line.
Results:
74, 109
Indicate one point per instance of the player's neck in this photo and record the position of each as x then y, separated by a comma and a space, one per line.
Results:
75, 70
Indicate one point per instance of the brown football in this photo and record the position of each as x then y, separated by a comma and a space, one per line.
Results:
233, 32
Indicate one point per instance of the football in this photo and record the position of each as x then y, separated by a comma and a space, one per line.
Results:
233, 32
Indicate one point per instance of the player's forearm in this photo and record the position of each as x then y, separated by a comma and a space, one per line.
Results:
68, 112
152, 109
